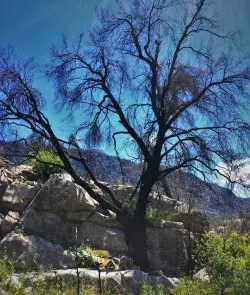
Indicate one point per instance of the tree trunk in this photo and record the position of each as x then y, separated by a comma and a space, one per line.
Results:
135, 231
135, 225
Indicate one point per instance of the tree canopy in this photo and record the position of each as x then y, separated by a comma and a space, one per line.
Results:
151, 76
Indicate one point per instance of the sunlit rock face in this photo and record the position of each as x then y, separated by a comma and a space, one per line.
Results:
30, 251
64, 213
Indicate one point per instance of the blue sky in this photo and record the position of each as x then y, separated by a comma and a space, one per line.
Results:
32, 26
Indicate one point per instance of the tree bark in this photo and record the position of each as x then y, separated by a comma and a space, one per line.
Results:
135, 225
135, 231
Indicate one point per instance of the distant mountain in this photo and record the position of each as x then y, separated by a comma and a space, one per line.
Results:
214, 200
110, 169
210, 198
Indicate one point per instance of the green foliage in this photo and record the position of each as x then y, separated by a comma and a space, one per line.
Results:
194, 287
151, 212
83, 256
19, 229
147, 289
7, 286
129, 204
44, 164
227, 261
6, 269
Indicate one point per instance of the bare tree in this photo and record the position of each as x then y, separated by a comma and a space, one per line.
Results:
151, 75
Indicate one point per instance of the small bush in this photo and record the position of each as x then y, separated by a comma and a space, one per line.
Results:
83, 257
151, 212
6, 269
44, 164
100, 253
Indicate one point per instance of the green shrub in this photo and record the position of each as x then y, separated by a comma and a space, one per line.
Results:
44, 164
83, 256
7, 268
194, 287
151, 212
227, 261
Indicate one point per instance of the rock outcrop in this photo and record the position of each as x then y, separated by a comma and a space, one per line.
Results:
29, 252
209, 198
17, 190
60, 214
63, 213
17, 196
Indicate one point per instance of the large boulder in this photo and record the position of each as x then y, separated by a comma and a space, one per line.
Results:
8, 222
165, 204
103, 237
26, 172
17, 196
30, 251
9, 172
50, 226
64, 198
167, 247
123, 191
58, 230
64, 213
157, 201
17, 187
